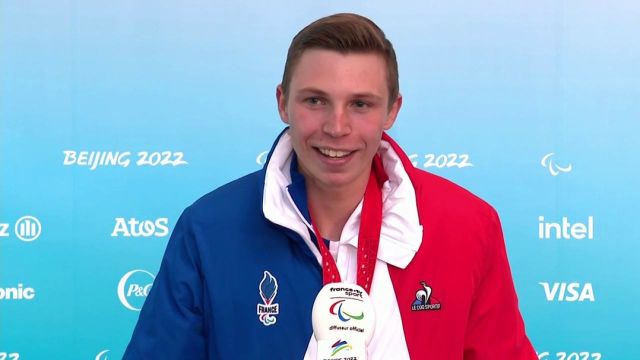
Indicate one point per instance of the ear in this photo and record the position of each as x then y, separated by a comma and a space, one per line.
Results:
282, 104
394, 109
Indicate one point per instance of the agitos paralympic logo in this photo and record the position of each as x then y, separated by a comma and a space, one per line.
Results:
342, 314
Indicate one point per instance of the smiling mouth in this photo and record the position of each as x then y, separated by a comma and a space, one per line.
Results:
335, 154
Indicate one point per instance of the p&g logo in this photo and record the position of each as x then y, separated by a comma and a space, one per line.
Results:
134, 287
102, 355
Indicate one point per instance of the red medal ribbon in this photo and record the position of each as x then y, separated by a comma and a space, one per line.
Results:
368, 236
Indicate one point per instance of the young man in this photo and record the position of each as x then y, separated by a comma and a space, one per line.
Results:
244, 265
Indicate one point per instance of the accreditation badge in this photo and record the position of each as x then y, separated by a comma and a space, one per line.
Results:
343, 322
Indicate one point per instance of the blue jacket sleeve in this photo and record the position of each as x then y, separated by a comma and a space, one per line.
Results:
171, 323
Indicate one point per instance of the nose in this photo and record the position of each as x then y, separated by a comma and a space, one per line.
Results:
337, 123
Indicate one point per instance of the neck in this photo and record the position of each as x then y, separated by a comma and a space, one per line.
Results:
331, 207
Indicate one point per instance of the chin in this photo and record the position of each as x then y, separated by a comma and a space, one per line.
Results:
338, 181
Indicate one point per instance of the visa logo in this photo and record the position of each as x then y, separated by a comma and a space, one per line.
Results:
560, 291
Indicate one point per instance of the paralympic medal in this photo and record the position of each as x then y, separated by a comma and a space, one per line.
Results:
343, 322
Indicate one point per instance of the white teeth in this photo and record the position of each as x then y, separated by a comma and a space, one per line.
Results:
333, 153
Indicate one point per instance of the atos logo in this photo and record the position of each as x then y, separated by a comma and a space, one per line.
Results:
565, 230
27, 229
140, 228
17, 293
134, 287
569, 292
554, 169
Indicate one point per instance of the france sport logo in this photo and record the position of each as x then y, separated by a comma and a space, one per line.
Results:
268, 290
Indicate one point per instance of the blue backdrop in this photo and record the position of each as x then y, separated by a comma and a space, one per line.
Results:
115, 116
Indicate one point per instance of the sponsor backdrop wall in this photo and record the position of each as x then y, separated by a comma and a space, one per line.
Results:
115, 116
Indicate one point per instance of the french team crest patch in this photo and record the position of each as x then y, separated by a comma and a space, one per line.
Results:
268, 290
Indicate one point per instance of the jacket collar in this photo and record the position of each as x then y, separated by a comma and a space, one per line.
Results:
401, 233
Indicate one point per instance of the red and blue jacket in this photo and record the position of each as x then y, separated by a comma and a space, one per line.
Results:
241, 271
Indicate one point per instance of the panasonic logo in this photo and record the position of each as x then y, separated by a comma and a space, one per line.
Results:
17, 293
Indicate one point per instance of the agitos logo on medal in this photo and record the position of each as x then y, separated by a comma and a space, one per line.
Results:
424, 301
343, 315
268, 290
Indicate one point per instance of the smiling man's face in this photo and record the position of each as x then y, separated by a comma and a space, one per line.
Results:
337, 107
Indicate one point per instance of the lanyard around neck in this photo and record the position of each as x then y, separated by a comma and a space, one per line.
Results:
368, 235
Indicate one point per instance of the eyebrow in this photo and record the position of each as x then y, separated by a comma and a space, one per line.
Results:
313, 90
